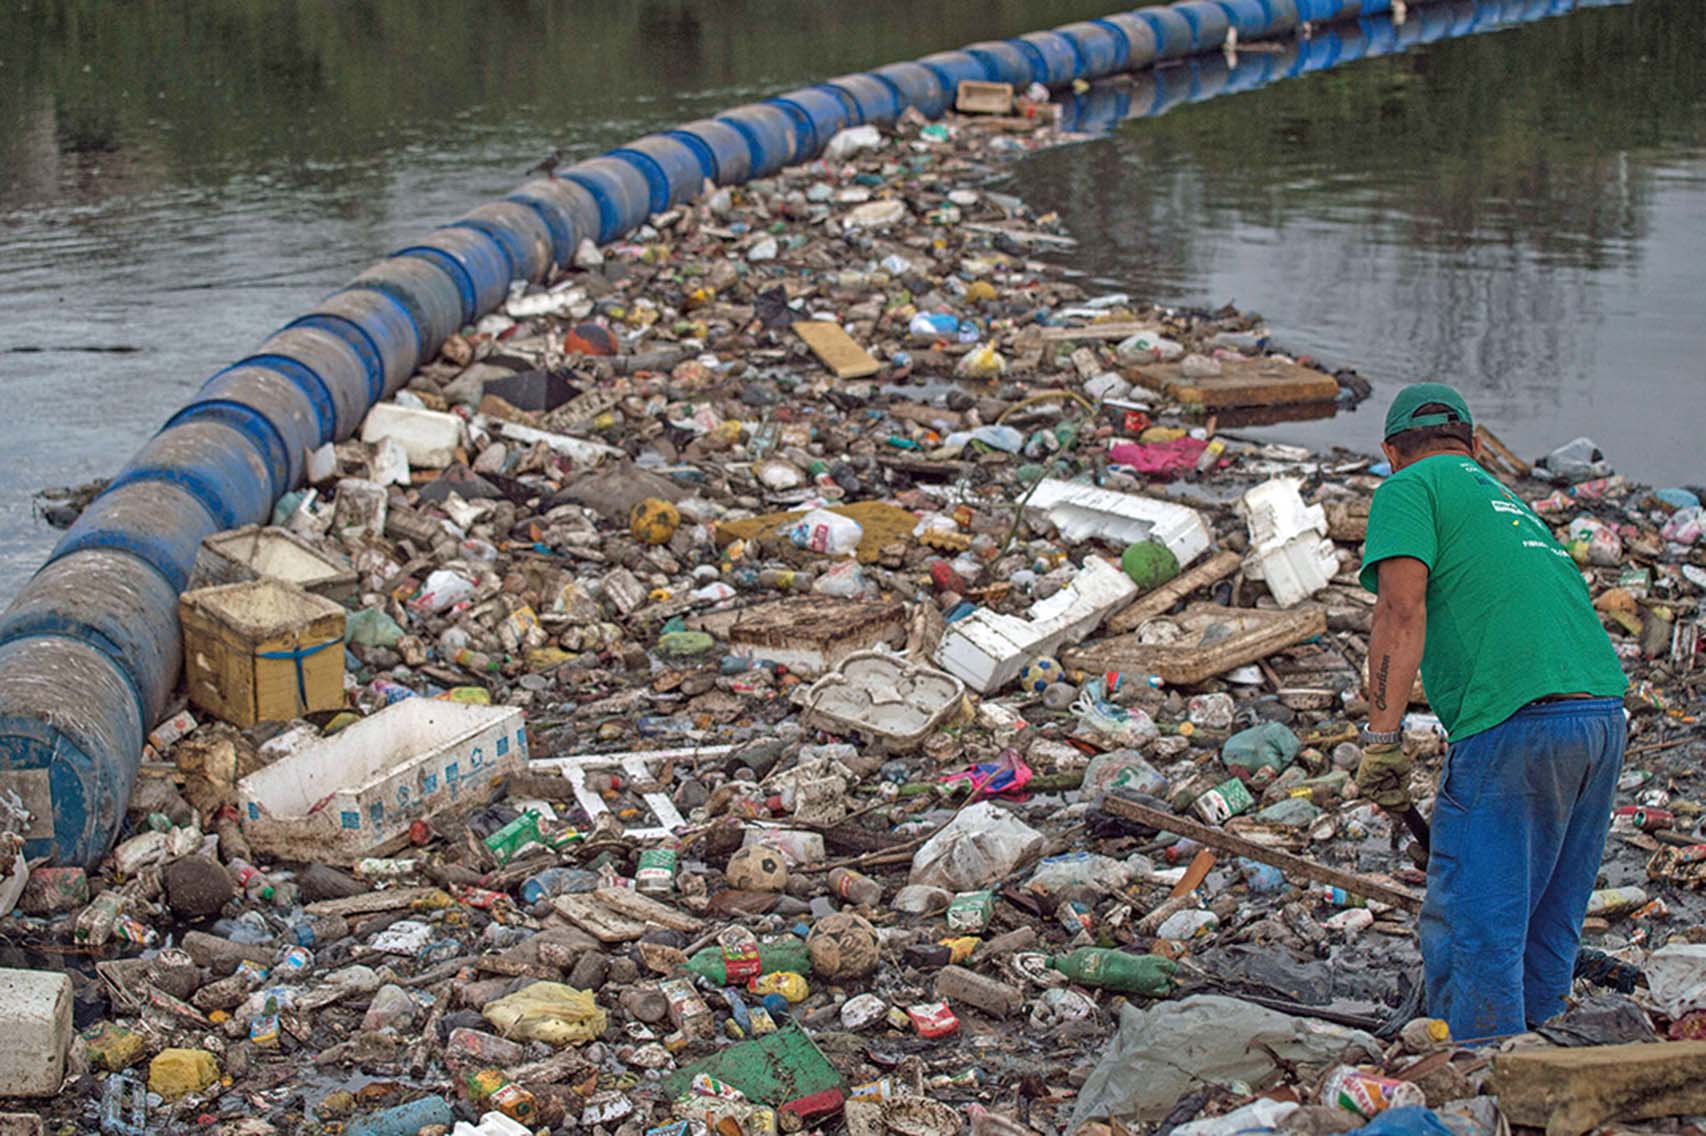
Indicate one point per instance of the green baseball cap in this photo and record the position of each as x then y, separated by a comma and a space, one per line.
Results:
1402, 416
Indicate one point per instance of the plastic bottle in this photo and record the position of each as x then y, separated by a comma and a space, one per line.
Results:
251, 879
1367, 1094
404, 1119
514, 836
95, 923
556, 881
124, 1106
1149, 975
957, 984
855, 887
318, 930
734, 966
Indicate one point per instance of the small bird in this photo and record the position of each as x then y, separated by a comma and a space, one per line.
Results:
548, 167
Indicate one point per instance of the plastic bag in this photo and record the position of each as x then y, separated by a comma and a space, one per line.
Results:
1575, 460
981, 362
1593, 542
979, 846
1261, 753
829, 533
1149, 347
551, 1012
443, 590
1676, 978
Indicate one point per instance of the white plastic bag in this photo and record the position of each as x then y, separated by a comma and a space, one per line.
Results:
980, 845
829, 533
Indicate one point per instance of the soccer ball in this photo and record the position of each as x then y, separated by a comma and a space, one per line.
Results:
653, 521
757, 867
843, 945
1038, 674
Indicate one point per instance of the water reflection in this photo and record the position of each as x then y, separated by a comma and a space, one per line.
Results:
1519, 213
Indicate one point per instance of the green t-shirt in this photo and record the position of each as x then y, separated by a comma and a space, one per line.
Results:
1509, 618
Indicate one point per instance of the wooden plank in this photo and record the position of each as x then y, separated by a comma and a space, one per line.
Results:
1500, 451
1260, 632
975, 96
598, 920
394, 899
1112, 329
1266, 381
1294, 866
626, 901
1571, 1091
1147, 607
836, 350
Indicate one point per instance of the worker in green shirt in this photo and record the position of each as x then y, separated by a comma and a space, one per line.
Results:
1474, 591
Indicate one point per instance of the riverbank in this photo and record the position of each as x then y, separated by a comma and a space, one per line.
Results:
571, 512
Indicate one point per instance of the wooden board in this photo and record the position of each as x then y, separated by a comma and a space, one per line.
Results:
1571, 1091
1112, 329
836, 350
1267, 381
597, 920
626, 901
1256, 634
1147, 607
1294, 866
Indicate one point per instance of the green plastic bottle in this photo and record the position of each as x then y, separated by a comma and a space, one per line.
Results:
1149, 975
734, 966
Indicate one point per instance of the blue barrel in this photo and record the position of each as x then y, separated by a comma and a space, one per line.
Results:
869, 98
473, 260
816, 115
1139, 39
215, 462
623, 196
158, 522
567, 209
1382, 7
1055, 59
673, 170
520, 231
1282, 16
71, 734
722, 149
952, 68
1353, 43
1320, 52
115, 603
917, 86
1208, 22
1004, 61
1096, 111
771, 140
1173, 86
1251, 70
425, 290
1380, 36
1172, 31
331, 360
378, 327
1247, 16
1209, 76
266, 408
1100, 45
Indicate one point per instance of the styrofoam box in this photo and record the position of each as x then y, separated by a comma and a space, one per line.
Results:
429, 437
342, 797
1082, 512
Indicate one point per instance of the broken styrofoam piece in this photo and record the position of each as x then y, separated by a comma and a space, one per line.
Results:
1289, 546
340, 798
578, 450
986, 650
429, 437
641, 768
884, 698
1084, 512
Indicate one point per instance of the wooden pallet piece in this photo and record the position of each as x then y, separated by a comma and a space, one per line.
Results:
1261, 632
836, 349
1267, 381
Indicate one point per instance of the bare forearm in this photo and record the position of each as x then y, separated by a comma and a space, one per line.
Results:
1394, 656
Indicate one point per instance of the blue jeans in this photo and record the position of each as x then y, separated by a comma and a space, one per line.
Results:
1518, 833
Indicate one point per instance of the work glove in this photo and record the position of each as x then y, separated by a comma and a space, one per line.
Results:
1384, 775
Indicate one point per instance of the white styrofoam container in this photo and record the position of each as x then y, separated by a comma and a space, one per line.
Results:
1082, 512
340, 798
1289, 548
35, 1013
986, 650
429, 437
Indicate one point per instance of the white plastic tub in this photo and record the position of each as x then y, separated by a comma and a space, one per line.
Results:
349, 795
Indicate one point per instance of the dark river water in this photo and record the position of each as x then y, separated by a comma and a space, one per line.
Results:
1522, 213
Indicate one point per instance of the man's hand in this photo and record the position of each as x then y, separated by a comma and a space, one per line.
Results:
1384, 775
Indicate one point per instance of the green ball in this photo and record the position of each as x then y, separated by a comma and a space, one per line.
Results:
1149, 564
